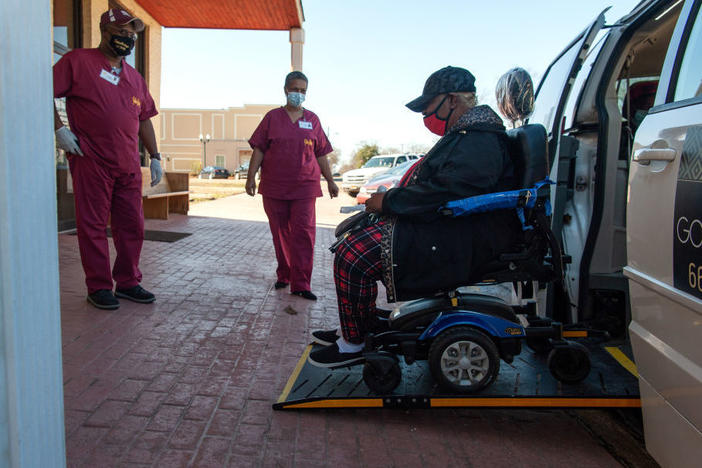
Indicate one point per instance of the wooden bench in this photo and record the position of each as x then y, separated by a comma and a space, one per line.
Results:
170, 195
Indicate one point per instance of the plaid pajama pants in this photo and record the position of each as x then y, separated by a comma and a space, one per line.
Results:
357, 269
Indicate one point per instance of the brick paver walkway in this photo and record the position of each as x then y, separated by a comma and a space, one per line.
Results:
190, 379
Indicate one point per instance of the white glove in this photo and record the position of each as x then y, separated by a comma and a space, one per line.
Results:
67, 141
156, 171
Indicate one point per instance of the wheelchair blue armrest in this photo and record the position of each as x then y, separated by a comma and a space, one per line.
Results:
516, 199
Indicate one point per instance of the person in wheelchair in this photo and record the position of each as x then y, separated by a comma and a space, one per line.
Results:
412, 248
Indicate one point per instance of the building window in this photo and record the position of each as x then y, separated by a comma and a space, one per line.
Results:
67, 36
219, 160
67, 20
66, 26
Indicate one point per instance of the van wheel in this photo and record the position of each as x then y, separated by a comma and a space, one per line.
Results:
464, 360
352, 194
569, 364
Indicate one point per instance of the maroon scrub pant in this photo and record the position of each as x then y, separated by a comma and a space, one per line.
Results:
292, 224
101, 194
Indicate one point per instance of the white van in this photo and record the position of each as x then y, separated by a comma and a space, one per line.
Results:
664, 245
628, 210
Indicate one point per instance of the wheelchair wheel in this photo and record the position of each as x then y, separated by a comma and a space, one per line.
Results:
464, 360
381, 382
569, 364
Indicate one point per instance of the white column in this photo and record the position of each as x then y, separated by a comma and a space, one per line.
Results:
297, 40
31, 391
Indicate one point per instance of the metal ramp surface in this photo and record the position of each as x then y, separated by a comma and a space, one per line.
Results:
526, 383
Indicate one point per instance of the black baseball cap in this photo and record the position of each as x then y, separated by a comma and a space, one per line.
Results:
447, 80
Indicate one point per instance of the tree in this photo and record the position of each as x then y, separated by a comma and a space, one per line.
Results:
333, 157
195, 168
346, 167
363, 154
391, 150
418, 148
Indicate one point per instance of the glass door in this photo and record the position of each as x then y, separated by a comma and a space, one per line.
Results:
67, 34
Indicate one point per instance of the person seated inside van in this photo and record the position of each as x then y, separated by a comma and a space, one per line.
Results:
641, 97
639, 100
413, 249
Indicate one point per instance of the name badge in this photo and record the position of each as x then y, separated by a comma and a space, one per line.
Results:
305, 125
107, 76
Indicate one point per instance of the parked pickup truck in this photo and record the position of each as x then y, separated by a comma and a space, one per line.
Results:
355, 178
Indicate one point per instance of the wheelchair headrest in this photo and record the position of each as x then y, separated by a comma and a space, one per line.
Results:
528, 147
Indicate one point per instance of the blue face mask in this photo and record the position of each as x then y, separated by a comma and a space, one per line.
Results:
296, 99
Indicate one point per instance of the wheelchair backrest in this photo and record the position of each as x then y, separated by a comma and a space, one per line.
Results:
528, 148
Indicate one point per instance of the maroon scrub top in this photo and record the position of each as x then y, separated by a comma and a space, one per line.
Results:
104, 116
290, 170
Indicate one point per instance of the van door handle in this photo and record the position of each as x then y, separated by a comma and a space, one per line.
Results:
644, 156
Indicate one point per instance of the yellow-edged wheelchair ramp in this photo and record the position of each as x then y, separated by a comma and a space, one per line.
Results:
526, 383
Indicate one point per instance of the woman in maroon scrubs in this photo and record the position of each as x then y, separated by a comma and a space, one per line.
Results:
291, 149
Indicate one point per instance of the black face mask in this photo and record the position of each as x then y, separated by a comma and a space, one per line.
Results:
122, 45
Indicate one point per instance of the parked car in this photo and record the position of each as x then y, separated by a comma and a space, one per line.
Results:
353, 180
213, 172
623, 108
386, 180
242, 171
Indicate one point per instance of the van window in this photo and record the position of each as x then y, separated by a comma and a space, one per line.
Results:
581, 78
550, 90
401, 159
690, 77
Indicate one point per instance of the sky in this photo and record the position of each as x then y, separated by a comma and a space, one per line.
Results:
365, 59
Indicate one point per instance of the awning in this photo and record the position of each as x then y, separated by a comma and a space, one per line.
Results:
279, 15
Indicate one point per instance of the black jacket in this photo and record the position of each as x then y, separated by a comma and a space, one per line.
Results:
423, 251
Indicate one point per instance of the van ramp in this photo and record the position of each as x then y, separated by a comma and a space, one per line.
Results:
525, 383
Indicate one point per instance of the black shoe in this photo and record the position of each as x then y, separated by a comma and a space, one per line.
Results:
103, 299
305, 295
136, 294
331, 357
280, 284
324, 337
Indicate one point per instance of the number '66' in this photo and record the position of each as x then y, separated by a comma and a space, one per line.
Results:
694, 274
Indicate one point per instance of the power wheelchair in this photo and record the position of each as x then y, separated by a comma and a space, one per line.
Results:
463, 336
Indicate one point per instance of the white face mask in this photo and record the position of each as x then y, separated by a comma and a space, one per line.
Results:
296, 99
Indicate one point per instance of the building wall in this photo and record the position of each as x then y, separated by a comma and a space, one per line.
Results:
229, 131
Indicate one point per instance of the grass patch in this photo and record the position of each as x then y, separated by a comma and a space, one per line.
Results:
202, 197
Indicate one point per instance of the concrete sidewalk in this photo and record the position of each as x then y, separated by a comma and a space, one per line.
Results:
190, 379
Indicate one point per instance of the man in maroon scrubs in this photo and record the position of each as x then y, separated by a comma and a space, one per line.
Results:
291, 149
109, 108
